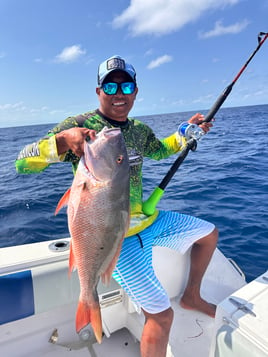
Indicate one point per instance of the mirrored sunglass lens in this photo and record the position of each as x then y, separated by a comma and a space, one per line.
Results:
110, 88
128, 87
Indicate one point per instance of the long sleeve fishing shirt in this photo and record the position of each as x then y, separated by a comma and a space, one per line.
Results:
140, 141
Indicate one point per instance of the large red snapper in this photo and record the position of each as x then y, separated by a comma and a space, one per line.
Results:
98, 218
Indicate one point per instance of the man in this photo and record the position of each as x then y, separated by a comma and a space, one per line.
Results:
116, 91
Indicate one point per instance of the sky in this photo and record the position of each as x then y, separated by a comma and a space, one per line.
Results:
185, 53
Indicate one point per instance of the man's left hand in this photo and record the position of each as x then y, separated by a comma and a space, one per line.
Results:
198, 119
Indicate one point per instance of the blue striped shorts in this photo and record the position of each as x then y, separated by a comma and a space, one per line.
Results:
134, 270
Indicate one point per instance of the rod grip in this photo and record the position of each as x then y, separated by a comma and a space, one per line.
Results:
149, 206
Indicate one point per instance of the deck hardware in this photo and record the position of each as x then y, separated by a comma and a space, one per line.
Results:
59, 246
86, 339
54, 337
242, 307
265, 278
114, 297
225, 320
85, 334
235, 265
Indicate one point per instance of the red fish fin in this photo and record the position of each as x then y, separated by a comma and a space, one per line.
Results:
63, 201
71, 260
106, 276
89, 314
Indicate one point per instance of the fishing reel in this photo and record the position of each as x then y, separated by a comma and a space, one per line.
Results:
190, 131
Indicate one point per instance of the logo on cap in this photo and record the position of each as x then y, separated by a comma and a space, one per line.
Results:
115, 63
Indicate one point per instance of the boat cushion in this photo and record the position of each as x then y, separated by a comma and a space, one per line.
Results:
16, 297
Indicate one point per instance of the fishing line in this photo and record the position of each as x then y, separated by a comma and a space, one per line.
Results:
150, 204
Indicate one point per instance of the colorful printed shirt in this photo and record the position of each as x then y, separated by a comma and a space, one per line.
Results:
140, 141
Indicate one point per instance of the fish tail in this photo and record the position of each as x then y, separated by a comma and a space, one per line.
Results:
89, 314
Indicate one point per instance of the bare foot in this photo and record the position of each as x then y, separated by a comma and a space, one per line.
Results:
200, 305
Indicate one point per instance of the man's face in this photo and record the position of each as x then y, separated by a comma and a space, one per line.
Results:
116, 106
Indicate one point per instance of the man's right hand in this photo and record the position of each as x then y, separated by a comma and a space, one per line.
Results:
73, 139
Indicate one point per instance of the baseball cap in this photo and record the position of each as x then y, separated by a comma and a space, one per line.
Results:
115, 63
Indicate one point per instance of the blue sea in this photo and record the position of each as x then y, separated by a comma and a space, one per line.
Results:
224, 181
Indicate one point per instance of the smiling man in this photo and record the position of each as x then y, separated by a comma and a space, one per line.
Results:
117, 90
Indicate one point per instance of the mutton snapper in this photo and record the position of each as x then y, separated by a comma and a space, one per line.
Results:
98, 219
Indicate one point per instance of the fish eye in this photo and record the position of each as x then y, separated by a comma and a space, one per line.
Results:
119, 159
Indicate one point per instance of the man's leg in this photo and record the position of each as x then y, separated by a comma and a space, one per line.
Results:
135, 273
155, 334
201, 254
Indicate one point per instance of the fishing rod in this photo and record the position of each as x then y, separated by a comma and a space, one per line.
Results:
193, 133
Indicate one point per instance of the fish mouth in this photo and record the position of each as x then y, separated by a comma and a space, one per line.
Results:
88, 172
106, 132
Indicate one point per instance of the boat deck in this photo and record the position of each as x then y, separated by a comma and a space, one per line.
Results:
50, 330
49, 335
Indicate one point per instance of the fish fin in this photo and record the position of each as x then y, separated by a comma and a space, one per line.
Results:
89, 314
106, 276
63, 201
71, 260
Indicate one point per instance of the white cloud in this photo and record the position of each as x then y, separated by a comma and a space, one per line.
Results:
39, 110
19, 106
56, 111
178, 102
149, 52
159, 61
70, 54
203, 99
160, 17
220, 30
260, 93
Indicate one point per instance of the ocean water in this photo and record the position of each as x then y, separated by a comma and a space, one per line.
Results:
224, 181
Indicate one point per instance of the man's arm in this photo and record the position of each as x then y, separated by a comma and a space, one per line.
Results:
36, 157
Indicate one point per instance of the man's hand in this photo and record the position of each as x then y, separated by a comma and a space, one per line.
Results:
73, 139
197, 119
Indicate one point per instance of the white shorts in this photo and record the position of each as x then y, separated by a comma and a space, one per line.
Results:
134, 270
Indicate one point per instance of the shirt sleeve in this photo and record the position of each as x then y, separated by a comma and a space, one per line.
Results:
36, 157
160, 149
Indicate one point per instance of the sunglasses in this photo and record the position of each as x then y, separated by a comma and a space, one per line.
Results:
111, 88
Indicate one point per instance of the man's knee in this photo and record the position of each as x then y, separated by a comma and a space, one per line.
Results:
166, 318
163, 319
215, 235
210, 240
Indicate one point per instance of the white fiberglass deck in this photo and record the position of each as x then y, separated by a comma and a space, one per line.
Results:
50, 331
